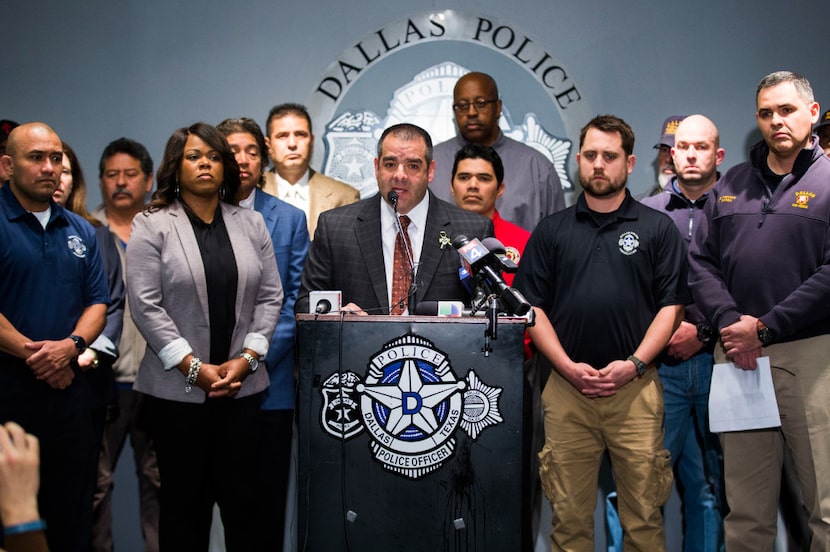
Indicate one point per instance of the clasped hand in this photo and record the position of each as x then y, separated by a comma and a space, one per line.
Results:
604, 382
223, 380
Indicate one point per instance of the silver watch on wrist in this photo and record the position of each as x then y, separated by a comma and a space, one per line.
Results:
253, 362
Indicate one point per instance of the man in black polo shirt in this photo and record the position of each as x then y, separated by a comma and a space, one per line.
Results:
607, 278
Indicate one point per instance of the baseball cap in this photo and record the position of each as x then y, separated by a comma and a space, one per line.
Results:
669, 128
824, 121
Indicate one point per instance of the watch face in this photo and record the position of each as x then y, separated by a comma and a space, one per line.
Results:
80, 344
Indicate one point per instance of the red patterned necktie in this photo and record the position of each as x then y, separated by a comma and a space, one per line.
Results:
401, 271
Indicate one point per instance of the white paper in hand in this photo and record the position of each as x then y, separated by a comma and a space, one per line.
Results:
742, 399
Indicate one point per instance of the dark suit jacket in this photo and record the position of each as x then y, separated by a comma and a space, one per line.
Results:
346, 255
289, 235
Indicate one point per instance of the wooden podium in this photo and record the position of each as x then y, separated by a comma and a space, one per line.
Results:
413, 435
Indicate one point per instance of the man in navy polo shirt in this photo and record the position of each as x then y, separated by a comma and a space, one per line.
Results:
53, 301
607, 280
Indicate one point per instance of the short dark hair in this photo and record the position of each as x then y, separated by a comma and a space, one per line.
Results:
132, 148
167, 179
802, 85
610, 123
407, 131
247, 125
477, 151
289, 108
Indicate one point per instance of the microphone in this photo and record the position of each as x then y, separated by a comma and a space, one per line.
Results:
324, 302
485, 266
500, 252
472, 251
453, 309
392, 196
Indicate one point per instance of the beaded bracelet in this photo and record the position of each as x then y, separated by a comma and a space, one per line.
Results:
192, 373
37, 525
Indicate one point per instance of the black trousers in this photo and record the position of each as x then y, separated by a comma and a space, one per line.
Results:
275, 462
207, 454
62, 420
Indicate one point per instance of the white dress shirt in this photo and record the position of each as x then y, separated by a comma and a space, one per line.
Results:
296, 194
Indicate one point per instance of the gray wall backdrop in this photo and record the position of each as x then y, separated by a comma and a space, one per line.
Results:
98, 70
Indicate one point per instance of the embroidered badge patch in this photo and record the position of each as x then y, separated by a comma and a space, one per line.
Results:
802, 199
629, 242
76, 246
512, 253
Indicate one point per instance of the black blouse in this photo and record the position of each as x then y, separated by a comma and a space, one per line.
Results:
221, 277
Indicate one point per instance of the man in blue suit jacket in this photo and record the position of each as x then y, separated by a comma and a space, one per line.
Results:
289, 235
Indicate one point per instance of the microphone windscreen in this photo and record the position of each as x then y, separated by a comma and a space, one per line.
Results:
494, 245
459, 241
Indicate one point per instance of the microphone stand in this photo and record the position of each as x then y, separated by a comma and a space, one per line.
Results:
410, 296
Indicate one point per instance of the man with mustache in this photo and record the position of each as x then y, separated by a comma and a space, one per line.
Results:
53, 301
535, 188
126, 177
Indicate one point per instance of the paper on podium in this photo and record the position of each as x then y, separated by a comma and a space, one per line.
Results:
742, 399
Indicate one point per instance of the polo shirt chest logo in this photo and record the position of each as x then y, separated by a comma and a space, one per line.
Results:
512, 253
629, 242
802, 198
76, 246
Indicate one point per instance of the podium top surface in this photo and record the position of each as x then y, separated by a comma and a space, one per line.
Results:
335, 317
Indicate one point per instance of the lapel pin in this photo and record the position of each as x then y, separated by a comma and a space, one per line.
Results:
443, 239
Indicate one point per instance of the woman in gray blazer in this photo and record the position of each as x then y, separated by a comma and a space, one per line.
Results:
205, 293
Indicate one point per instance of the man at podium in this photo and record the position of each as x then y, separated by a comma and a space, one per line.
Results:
389, 251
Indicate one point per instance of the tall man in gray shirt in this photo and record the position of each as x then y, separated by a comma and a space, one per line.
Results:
535, 190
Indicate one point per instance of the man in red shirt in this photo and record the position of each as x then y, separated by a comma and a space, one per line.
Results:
477, 182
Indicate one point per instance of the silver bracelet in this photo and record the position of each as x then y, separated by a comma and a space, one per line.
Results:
192, 373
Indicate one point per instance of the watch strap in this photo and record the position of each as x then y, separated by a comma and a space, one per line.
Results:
80, 343
639, 364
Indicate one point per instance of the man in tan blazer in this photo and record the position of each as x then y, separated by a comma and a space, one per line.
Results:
290, 143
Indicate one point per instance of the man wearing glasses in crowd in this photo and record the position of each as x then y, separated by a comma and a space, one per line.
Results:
535, 189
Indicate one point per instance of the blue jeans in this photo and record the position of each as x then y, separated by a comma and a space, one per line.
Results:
695, 452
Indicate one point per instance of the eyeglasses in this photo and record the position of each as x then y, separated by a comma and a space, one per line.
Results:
463, 107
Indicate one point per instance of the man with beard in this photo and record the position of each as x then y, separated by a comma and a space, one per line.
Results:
607, 279
664, 164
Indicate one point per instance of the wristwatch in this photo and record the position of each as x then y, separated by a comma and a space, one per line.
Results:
253, 362
641, 366
704, 333
80, 343
765, 335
